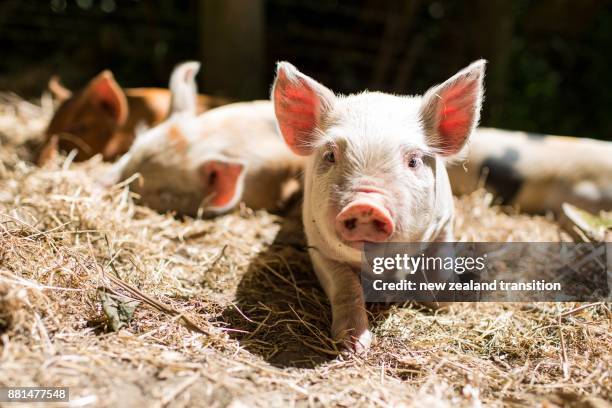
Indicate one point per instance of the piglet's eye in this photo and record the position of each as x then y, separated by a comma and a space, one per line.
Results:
414, 161
329, 156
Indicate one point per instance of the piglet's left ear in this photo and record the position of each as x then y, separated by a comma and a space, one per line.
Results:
222, 181
59, 91
450, 111
183, 89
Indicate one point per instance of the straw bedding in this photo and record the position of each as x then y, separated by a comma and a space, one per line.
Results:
230, 313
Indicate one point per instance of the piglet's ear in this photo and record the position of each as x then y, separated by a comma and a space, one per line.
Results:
105, 92
222, 181
451, 110
59, 91
299, 104
184, 89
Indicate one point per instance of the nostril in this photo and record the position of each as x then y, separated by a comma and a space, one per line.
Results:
350, 224
381, 226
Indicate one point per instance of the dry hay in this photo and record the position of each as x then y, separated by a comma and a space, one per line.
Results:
240, 319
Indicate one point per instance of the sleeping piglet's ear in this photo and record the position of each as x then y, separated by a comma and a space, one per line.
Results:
222, 181
59, 91
450, 111
106, 93
183, 89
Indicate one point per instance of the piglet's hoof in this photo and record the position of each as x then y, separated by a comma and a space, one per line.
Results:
354, 343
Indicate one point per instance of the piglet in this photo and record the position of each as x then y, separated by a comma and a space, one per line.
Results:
102, 118
374, 173
537, 173
204, 165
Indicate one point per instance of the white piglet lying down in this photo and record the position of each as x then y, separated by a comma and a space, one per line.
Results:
207, 164
535, 172
374, 173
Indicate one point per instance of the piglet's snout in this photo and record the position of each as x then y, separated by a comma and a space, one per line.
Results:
365, 219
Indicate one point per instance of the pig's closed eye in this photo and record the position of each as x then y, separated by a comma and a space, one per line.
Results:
329, 156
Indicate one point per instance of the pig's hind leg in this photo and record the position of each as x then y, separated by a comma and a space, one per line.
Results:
115, 173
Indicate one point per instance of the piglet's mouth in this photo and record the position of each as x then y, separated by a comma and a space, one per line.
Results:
358, 245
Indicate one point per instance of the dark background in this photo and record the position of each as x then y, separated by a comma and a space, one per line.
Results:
549, 65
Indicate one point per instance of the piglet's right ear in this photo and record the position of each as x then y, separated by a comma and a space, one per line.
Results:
299, 104
104, 91
223, 181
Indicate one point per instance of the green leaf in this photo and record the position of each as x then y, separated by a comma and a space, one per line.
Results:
118, 310
593, 225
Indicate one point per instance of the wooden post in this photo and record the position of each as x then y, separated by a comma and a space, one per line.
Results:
232, 48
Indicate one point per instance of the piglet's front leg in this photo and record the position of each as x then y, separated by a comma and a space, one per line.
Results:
343, 288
